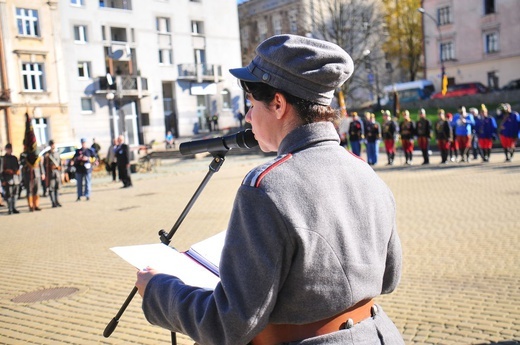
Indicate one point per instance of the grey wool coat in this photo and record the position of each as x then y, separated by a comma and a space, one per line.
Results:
311, 233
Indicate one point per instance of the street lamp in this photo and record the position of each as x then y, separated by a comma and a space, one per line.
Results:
366, 53
443, 70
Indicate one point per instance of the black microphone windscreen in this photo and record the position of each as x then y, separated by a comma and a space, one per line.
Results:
249, 140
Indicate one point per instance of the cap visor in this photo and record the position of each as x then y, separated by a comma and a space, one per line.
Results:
244, 74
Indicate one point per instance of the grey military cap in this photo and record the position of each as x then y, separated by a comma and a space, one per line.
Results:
304, 67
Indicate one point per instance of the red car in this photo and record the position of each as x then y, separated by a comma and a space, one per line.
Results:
462, 90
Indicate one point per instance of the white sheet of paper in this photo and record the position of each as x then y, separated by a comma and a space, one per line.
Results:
167, 260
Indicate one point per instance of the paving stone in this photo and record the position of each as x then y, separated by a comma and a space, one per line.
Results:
458, 225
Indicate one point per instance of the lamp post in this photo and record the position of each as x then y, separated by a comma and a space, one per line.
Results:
366, 53
110, 99
443, 70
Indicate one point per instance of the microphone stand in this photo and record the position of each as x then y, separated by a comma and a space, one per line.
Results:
214, 166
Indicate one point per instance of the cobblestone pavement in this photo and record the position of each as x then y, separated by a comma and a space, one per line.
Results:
458, 224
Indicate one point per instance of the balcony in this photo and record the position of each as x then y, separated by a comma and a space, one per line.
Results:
131, 86
117, 4
200, 72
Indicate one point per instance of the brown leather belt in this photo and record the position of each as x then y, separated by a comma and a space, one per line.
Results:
283, 333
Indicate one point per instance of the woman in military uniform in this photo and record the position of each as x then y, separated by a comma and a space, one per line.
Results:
312, 237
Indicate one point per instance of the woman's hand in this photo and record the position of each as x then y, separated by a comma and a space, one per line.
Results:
143, 277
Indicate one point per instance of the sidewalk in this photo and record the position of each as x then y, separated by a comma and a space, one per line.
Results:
458, 224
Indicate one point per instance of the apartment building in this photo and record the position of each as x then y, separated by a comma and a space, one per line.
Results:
142, 68
32, 75
472, 40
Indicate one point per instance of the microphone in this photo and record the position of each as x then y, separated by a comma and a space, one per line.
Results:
241, 140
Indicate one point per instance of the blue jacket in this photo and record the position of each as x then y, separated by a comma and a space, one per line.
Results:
463, 125
509, 126
486, 128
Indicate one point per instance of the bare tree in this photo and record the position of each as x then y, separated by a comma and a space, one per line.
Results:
358, 27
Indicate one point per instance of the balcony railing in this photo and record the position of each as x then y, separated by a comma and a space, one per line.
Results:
200, 72
119, 4
130, 85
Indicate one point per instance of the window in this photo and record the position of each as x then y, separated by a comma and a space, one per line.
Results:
162, 24
103, 33
444, 15
447, 51
165, 56
489, 7
32, 75
197, 27
200, 56
118, 34
277, 24
491, 42
76, 2
86, 105
293, 22
262, 30
226, 99
27, 21
80, 34
84, 70
41, 130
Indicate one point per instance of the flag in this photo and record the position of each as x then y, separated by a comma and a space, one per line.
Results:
30, 146
444, 87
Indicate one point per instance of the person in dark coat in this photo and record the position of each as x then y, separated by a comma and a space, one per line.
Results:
10, 177
82, 160
123, 162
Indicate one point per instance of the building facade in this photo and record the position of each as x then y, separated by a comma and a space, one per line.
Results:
33, 77
355, 25
472, 40
142, 68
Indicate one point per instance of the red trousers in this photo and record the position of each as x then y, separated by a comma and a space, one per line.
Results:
443, 144
464, 141
507, 142
407, 145
390, 145
485, 143
423, 142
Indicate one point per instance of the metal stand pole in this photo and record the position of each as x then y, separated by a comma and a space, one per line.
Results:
218, 160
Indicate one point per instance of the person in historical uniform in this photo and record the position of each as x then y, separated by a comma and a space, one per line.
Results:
508, 129
407, 133
373, 136
463, 124
389, 134
52, 166
485, 129
444, 135
312, 236
424, 133
356, 134
10, 178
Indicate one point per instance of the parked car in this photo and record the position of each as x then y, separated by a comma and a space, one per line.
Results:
462, 90
512, 85
66, 151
